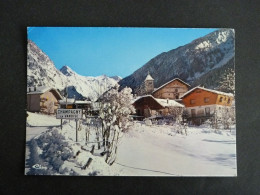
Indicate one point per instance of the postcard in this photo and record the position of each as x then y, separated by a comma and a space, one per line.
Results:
121, 101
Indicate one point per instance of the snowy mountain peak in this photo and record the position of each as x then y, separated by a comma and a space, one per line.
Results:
116, 78
67, 71
41, 71
214, 39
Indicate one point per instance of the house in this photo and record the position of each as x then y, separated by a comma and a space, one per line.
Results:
71, 103
173, 89
68, 103
147, 106
202, 103
43, 99
153, 101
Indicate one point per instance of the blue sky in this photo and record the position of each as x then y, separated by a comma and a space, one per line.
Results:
94, 51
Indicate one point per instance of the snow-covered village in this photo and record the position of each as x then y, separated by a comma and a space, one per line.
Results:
173, 115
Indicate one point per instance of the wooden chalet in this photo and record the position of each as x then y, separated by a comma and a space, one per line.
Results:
147, 106
201, 103
43, 99
173, 89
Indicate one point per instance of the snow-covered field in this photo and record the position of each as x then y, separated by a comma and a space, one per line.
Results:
155, 150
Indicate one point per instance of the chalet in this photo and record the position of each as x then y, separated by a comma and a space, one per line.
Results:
202, 103
43, 99
173, 89
148, 106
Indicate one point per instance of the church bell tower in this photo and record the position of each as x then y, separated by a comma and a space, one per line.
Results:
149, 85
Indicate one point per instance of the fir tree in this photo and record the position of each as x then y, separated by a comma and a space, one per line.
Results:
227, 81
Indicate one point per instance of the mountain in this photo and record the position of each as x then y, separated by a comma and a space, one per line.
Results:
198, 63
91, 87
117, 78
41, 71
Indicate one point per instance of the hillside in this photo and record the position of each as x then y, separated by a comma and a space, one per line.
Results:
196, 63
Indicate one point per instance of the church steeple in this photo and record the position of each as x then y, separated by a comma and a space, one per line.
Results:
149, 86
149, 77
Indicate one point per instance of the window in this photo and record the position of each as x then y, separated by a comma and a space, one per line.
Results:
207, 111
193, 112
221, 98
228, 101
176, 90
206, 99
192, 101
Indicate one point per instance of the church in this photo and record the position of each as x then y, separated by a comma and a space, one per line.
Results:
153, 101
172, 90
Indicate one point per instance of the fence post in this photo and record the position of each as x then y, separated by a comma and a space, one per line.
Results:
88, 163
92, 150
76, 130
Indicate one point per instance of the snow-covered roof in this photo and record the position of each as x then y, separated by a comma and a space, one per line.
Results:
170, 82
96, 105
41, 90
169, 103
162, 102
139, 97
210, 90
149, 77
72, 101
83, 102
37, 90
69, 101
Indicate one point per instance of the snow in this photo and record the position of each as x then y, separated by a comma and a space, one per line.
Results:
68, 101
168, 103
210, 90
41, 89
202, 153
149, 77
38, 119
144, 150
